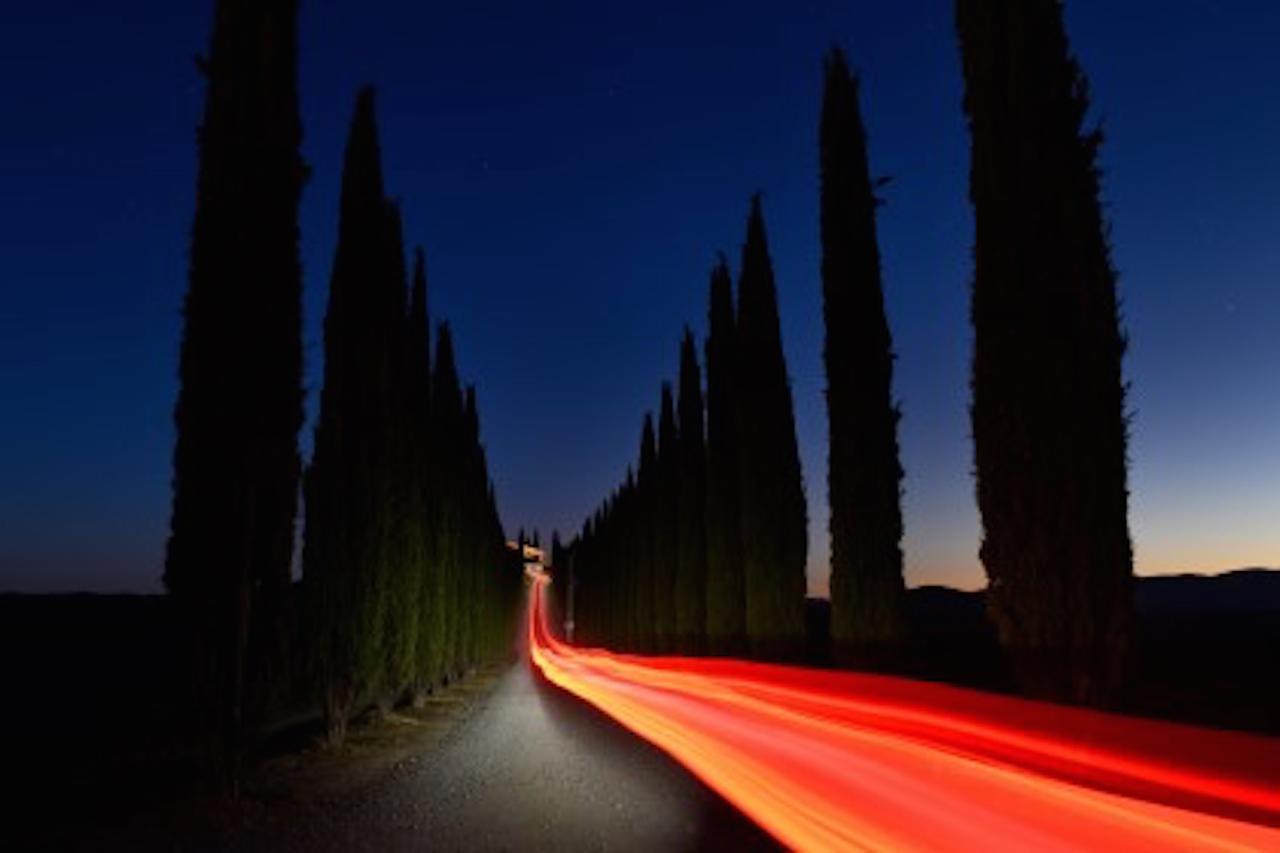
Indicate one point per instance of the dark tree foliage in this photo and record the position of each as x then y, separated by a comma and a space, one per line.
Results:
691, 576
630, 529
666, 526
561, 579
1048, 407
773, 512
448, 424
726, 589
348, 547
473, 486
864, 475
402, 579
646, 539
704, 547
239, 407
420, 499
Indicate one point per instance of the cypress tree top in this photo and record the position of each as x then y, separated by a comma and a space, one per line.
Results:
668, 432
691, 423
445, 377
648, 448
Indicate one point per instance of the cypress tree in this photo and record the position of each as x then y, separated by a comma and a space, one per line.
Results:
1048, 406
473, 492
646, 553
726, 589
402, 581
239, 407
561, 580
864, 475
691, 578
773, 511
666, 525
447, 429
629, 547
348, 545
421, 498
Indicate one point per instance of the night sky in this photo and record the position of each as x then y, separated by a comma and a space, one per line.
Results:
571, 171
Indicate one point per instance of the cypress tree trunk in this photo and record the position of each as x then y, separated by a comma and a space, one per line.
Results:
691, 579
666, 526
348, 543
864, 475
1048, 414
239, 407
773, 511
726, 584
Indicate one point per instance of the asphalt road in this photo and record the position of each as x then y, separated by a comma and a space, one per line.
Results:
532, 768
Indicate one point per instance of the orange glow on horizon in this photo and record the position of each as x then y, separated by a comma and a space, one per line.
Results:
827, 760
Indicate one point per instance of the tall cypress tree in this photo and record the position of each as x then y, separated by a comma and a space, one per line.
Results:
420, 504
348, 544
726, 586
864, 475
629, 549
1048, 405
773, 511
401, 582
446, 433
473, 491
691, 578
239, 407
666, 525
646, 552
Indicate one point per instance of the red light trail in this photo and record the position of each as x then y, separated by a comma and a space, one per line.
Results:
828, 760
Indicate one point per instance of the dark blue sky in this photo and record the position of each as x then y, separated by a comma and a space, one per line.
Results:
571, 170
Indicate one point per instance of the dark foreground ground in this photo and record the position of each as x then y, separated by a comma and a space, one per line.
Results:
504, 761
501, 760
531, 769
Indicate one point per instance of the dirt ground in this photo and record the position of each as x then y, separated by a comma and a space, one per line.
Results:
296, 780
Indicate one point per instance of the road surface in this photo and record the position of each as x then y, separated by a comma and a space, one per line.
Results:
532, 768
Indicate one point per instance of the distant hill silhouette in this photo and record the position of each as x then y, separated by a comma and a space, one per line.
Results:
1250, 590
1202, 646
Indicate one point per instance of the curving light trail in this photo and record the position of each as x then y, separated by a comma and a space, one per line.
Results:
841, 761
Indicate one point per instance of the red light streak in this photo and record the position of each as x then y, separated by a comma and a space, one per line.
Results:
841, 761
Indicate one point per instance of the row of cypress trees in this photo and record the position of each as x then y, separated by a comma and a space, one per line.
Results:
702, 547
1048, 406
1048, 412
406, 578
403, 541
